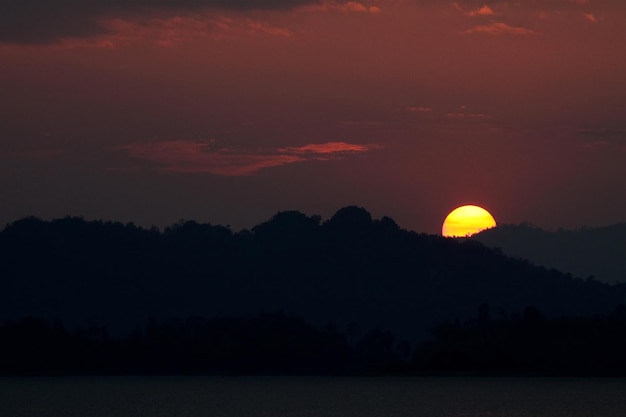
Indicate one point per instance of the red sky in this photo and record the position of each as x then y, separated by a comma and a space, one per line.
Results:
229, 111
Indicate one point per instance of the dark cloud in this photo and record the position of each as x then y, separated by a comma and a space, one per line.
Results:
47, 21
603, 138
603, 133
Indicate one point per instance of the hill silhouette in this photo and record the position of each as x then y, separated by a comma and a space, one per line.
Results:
351, 270
587, 252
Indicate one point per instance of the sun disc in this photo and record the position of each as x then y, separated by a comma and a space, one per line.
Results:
466, 221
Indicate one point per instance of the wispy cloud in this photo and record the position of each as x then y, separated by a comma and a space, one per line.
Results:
202, 157
590, 17
345, 7
163, 31
328, 148
170, 32
499, 28
468, 116
108, 24
597, 145
527, 11
603, 133
527, 4
602, 138
420, 109
264, 27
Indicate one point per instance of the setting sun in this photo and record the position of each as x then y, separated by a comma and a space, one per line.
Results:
466, 221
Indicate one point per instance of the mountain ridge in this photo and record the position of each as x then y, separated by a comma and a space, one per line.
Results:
350, 270
598, 252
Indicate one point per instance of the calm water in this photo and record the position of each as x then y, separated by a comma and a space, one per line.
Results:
300, 397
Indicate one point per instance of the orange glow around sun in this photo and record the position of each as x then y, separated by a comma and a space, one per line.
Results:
466, 221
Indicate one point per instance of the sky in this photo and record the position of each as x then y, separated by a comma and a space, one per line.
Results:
228, 111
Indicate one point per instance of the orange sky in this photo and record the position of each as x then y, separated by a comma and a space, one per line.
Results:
229, 111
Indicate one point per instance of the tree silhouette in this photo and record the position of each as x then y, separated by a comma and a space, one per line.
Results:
351, 270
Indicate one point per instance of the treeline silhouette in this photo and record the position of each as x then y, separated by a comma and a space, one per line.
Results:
356, 272
267, 344
528, 344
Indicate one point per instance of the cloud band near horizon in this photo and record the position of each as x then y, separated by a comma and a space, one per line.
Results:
189, 156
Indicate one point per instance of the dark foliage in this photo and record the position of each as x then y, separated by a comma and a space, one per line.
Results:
268, 344
529, 344
357, 272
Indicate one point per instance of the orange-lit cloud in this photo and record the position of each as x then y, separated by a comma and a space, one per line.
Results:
499, 28
481, 11
590, 17
188, 156
327, 148
353, 6
524, 12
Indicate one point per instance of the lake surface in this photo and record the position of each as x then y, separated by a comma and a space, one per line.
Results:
311, 397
